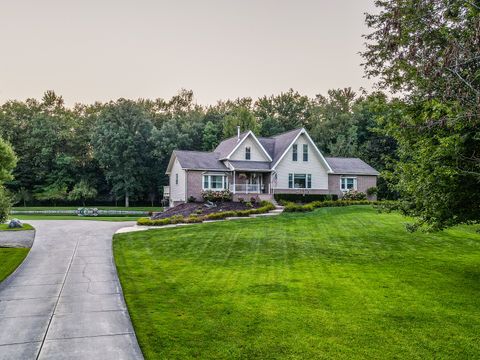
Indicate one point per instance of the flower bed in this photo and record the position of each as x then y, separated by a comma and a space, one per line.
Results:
265, 207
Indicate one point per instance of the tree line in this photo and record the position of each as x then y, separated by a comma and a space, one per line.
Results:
424, 137
120, 150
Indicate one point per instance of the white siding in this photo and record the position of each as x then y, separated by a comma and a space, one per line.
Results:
313, 166
177, 192
256, 153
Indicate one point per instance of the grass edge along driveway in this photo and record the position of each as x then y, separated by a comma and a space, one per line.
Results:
340, 283
10, 259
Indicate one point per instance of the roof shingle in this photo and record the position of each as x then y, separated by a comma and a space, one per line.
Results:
350, 166
199, 160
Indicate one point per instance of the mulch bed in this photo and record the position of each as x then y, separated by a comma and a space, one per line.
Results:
195, 208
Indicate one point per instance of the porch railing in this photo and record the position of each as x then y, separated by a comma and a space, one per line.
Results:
246, 188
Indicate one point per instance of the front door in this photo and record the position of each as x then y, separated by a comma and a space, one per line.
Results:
255, 182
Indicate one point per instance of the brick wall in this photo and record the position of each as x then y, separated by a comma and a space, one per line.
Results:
363, 183
194, 184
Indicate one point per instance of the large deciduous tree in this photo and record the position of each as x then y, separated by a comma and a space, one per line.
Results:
429, 52
123, 142
241, 117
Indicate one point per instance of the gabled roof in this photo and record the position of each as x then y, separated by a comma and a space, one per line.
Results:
197, 160
350, 166
274, 147
269, 145
286, 140
232, 144
282, 142
227, 146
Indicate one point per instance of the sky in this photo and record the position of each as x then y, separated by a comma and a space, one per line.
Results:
101, 50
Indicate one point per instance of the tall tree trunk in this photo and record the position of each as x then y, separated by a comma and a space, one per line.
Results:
127, 202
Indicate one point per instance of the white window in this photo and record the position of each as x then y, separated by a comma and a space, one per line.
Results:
300, 181
348, 183
215, 182
294, 152
305, 152
176, 179
247, 153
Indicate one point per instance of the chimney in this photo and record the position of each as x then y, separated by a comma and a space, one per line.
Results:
238, 133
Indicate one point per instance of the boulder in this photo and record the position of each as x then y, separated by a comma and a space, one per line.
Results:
15, 224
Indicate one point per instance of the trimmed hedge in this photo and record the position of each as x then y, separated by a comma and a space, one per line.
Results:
307, 198
291, 207
177, 219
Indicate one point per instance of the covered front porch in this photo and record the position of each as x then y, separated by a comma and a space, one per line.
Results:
250, 182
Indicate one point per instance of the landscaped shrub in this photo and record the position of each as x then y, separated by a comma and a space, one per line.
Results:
220, 215
191, 199
371, 191
354, 195
215, 196
307, 198
177, 219
291, 207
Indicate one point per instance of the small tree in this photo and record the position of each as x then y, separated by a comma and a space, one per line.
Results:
82, 191
23, 195
53, 193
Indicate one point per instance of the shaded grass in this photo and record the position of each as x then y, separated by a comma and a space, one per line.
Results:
10, 258
335, 283
4, 227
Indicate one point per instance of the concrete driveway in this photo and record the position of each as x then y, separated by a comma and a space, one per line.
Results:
65, 300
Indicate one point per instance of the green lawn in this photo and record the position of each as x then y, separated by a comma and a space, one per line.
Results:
134, 208
337, 283
75, 217
10, 258
4, 227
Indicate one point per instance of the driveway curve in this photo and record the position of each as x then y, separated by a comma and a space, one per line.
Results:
65, 301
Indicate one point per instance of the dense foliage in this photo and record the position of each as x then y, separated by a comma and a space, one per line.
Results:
7, 163
429, 52
119, 150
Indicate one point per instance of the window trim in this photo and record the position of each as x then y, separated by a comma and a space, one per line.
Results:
344, 178
209, 181
305, 152
291, 181
248, 153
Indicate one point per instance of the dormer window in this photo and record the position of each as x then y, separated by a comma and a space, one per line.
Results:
294, 152
247, 153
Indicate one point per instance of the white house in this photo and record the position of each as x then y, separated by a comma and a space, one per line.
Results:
248, 165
